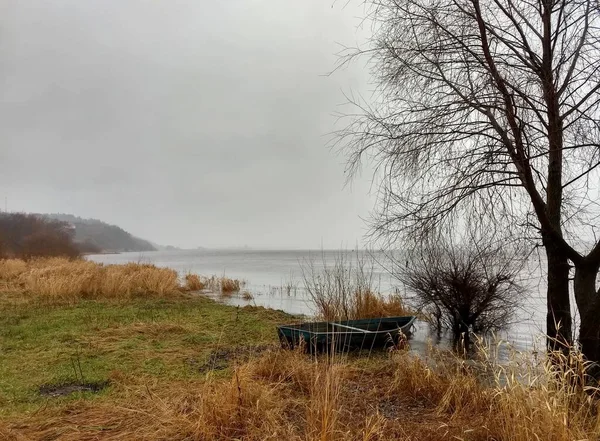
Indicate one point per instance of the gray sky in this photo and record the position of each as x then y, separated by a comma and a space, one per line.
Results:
186, 122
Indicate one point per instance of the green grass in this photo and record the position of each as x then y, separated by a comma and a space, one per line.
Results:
99, 340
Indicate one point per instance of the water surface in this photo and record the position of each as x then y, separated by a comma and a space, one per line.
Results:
275, 280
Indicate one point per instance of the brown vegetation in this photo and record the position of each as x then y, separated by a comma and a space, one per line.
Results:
230, 285
288, 395
344, 291
224, 285
64, 279
193, 282
69, 279
276, 394
359, 305
369, 304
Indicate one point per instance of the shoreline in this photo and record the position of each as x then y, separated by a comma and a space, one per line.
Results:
163, 364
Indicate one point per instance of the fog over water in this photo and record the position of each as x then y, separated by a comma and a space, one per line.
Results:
187, 122
191, 123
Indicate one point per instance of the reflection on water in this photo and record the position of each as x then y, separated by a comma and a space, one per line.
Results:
274, 278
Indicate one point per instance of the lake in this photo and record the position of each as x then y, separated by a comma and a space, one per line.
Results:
275, 280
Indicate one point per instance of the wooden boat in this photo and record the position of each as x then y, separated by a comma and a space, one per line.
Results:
349, 334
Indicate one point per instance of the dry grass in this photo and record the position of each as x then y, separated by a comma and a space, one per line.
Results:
61, 279
230, 285
368, 304
10, 269
516, 402
224, 285
193, 282
64, 279
292, 396
345, 290
358, 305
246, 295
558, 405
279, 396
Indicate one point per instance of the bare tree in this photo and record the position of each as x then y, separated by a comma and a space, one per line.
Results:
466, 287
27, 236
486, 112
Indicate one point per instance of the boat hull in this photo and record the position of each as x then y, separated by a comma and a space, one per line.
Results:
346, 335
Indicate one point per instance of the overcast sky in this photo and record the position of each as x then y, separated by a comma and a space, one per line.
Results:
186, 122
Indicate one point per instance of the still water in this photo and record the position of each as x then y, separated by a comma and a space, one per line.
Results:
275, 280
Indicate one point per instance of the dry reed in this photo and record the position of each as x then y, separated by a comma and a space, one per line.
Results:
367, 304
230, 285
345, 290
193, 282
224, 285
359, 305
64, 279
246, 295
289, 395
61, 279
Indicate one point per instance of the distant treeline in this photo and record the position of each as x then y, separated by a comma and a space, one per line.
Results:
31, 235
104, 237
26, 235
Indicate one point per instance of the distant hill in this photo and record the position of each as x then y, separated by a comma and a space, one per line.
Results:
106, 237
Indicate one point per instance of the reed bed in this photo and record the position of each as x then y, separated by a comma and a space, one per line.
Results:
358, 304
230, 285
224, 285
194, 282
65, 279
346, 290
61, 279
69, 279
367, 304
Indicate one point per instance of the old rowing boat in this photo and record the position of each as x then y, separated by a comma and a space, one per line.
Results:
348, 334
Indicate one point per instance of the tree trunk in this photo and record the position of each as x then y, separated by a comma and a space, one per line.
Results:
558, 318
588, 304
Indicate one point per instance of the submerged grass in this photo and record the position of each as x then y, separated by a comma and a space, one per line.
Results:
224, 285
193, 282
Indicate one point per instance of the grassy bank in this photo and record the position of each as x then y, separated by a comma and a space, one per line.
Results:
95, 341
181, 367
